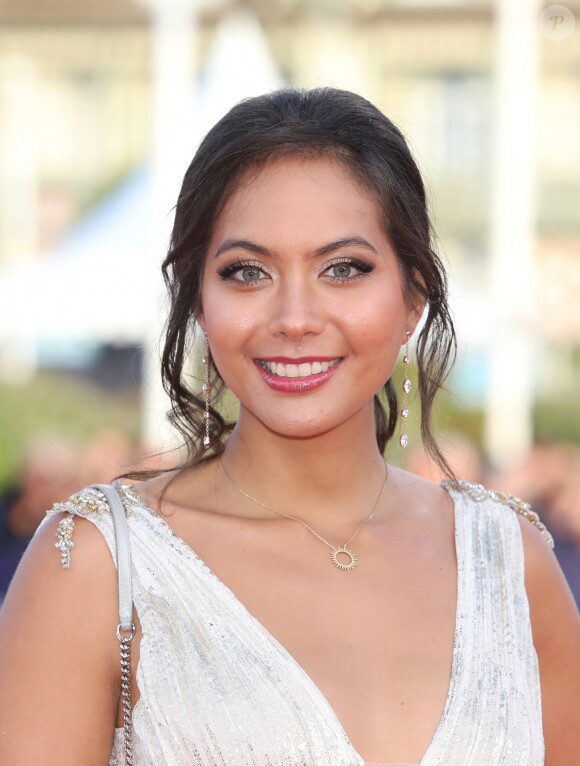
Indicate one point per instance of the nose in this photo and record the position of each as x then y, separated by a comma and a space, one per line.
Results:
297, 311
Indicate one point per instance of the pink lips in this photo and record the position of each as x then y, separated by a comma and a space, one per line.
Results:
297, 385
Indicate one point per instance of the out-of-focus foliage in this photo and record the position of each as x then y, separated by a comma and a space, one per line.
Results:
61, 405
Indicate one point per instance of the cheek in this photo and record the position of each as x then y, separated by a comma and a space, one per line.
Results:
376, 334
377, 326
225, 317
228, 323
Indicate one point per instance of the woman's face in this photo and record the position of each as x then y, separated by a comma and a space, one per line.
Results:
303, 298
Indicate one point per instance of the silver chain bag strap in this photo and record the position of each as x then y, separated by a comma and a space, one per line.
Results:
126, 624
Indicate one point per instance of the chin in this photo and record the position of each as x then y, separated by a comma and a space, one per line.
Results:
296, 430
302, 428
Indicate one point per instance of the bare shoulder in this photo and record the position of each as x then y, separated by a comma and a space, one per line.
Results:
168, 489
41, 569
57, 636
421, 493
41, 573
552, 605
556, 633
192, 490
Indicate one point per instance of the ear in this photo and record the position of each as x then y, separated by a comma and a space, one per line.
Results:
416, 303
414, 314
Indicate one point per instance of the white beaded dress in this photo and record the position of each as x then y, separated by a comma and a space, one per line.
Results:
217, 689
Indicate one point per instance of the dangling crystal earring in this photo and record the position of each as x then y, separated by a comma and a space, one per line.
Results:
404, 440
206, 390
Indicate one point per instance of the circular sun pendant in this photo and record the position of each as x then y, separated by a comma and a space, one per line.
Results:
343, 552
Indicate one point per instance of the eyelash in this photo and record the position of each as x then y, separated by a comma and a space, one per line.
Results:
227, 272
364, 268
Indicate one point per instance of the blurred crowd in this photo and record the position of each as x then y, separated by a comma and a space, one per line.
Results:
54, 468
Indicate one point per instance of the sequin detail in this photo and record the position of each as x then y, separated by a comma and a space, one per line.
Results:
216, 688
479, 493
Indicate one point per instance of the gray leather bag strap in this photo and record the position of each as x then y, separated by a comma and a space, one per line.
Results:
125, 611
123, 555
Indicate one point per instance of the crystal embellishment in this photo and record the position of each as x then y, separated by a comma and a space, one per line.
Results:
83, 503
479, 494
87, 502
407, 386
404, 440
64, 542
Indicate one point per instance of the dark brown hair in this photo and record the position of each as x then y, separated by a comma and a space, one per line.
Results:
319, 122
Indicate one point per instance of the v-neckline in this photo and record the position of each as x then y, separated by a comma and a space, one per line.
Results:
293, 662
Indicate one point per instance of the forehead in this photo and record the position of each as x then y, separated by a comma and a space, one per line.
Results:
306, 192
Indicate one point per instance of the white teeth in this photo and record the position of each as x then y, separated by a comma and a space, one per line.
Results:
302, 370
291, 371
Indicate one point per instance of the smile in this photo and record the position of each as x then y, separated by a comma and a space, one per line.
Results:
302, 370
297, 376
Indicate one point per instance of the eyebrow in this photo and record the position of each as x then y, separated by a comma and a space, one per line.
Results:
241, 244
341, 243
252, 247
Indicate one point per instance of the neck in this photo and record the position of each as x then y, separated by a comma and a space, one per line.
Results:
336, 474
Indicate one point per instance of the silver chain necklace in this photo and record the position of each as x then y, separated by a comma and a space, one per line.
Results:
343, 550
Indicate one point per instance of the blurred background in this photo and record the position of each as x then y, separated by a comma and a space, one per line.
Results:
102, 106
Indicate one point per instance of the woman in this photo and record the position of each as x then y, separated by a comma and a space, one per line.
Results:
337, 611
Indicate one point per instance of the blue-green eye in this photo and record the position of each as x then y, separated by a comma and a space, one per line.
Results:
243, 273
341, 270
250, 274
347, 270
